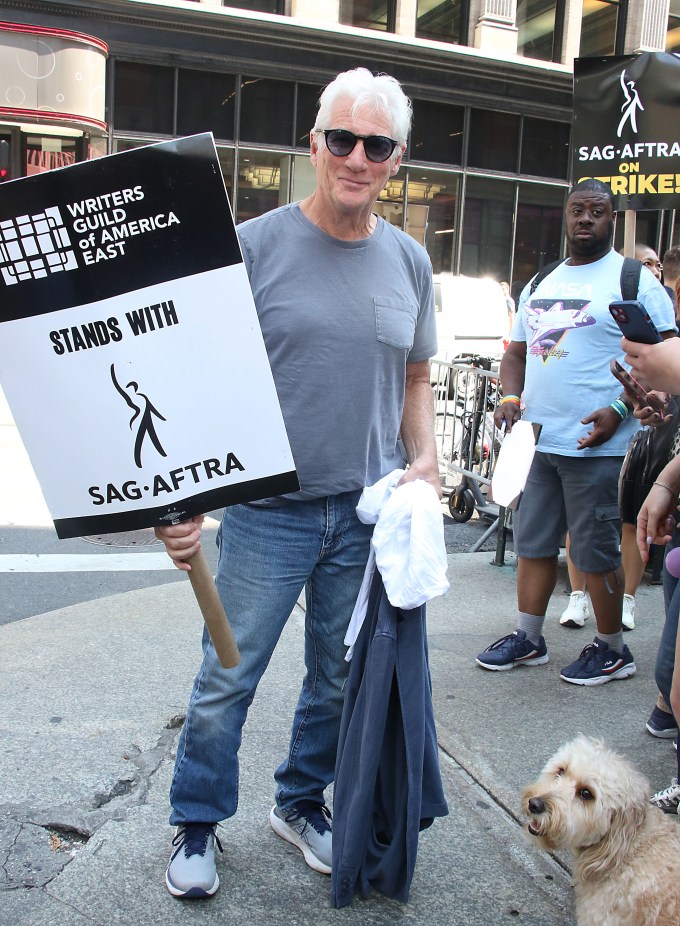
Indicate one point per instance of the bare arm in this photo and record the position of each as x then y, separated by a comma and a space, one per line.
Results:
512, 373
417, 426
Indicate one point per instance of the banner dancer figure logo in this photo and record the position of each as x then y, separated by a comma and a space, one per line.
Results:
146, 423
632, 104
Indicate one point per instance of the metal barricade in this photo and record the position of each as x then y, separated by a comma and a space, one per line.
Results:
466, 397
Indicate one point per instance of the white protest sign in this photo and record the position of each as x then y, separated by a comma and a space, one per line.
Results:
513, 464
130, 350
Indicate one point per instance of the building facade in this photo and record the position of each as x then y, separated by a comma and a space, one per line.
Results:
484, 178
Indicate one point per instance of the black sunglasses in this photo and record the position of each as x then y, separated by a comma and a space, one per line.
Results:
377, 148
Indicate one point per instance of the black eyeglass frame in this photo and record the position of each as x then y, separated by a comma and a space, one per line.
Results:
364, 138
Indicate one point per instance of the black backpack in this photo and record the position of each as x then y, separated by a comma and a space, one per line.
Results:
630, 276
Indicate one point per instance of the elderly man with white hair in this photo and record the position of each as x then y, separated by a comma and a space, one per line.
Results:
345, 302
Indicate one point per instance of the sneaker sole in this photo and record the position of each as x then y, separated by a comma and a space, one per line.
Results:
624, 672
662, 734
193, 892
627, 627
536, 661
666, 809
573, 622
282, 829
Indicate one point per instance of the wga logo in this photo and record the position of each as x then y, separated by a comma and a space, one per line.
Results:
33, 246
631, 104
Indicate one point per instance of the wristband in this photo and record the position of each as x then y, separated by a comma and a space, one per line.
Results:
510, 398
620, 408
664, 486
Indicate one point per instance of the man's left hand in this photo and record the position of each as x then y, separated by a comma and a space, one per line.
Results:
427, 471
605, 421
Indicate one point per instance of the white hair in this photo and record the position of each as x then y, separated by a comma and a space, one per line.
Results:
382, 93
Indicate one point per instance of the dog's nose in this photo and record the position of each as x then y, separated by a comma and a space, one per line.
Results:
536, 805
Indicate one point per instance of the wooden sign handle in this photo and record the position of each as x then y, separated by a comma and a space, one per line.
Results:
212, 610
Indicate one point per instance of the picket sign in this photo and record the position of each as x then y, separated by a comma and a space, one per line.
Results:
130, 351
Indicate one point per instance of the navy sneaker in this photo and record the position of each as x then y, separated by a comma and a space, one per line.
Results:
514, 650
599, 664
662, 724
192, 872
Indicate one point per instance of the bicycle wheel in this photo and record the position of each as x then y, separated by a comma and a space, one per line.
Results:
461, 506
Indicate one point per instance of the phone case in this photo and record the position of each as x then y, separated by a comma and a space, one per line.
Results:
633, 387
634, 321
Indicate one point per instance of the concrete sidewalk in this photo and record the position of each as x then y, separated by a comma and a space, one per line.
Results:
92, 699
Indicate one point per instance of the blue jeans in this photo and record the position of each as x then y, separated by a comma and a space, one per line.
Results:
266, 557
665, 657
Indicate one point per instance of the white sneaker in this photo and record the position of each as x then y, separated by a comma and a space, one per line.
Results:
628, 613
668, 799
577, 612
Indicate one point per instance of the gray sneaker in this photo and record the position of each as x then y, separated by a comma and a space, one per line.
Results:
192, 872
668, 799
307, 825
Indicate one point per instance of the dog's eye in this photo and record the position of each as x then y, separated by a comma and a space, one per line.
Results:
586, 795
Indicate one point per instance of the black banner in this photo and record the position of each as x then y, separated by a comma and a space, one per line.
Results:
625, 130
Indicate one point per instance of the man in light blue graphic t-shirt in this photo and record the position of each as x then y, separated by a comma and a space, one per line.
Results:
557, 365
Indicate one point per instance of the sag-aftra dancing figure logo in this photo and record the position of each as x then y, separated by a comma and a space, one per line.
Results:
631, 104
144, 410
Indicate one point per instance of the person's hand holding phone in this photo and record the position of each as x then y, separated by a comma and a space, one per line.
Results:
650, 406
658, 365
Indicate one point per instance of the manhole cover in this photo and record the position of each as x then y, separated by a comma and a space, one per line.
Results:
141, 538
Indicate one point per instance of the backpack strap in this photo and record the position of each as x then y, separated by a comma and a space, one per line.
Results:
630, 277
543, 273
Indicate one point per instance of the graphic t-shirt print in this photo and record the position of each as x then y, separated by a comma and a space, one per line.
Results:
550, 322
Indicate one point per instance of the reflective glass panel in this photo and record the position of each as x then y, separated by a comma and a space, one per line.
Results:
257, 6
673, 35
262, 183
304, 177
305, 117
536, 26
437, 132
438, 20
538, 231
206, 103
431, 214
47, 152
267, 111
365, 14
144, 98
390, 203
494, 140
598, 27
487, 228
545, 148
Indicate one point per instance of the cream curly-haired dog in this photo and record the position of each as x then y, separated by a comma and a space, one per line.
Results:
627, 852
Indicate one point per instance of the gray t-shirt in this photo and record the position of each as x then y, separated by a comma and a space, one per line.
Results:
340, 320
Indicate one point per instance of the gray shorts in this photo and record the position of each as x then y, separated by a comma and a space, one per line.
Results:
578, 494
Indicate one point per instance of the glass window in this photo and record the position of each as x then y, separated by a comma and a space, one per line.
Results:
226, 159
390, 203
538, 231
673, 35
598, 27
262, 183
305, 117
206, 103
439, 20
144, 98
304, 177
494, 140
545, 148
367, 14
266, 111
432, 208
437, 132
257, 6
536, 26
487, 228
48, 152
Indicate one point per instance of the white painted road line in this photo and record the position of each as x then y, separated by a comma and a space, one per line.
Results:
86, 562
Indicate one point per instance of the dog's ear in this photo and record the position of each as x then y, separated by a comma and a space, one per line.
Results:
612, 850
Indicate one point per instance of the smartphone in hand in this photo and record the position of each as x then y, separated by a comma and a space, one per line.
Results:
635, 390
634, 321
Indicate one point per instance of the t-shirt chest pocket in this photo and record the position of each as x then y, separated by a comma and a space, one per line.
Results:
395, 322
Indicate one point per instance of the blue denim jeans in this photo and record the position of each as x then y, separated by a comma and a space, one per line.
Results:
266, 557
665, 658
